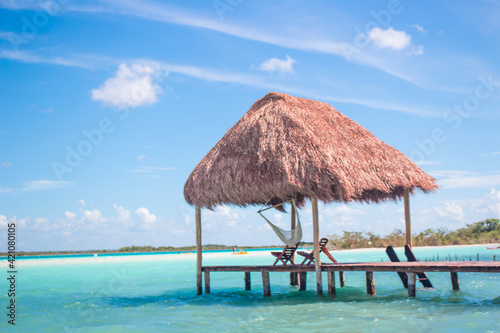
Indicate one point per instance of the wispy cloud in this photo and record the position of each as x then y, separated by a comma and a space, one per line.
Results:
422, 163
7, 35
419, 28
49, 110
33, 58
6, 164
489, 154
153, 172
22, 4
247, 80
45, 185
308, 42
142, 157
465, 179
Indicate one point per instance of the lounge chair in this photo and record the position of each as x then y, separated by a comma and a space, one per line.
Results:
322, 248
286, 255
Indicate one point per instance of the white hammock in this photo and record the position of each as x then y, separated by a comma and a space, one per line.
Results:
289, 237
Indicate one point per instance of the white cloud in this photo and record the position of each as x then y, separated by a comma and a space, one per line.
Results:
489, 204
390, 38
130, 87
341, 214
278, 65
3, 221
40, 223
93, 216
142, 157
123, 215
6, 164
419, 28
44, 185
450, 210
81, 202
69, 215
5, 190
212, 219
145, 216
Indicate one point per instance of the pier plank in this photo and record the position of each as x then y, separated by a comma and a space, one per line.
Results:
444, 266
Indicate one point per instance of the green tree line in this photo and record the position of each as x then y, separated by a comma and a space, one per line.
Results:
482, 232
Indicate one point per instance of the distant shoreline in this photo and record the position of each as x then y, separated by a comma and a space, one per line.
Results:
222, 248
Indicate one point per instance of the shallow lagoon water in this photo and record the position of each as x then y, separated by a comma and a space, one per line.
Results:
144, 293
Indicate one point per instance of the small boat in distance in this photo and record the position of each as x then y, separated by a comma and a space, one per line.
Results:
493, 248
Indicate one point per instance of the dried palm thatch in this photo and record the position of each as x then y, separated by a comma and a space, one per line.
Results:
289, 147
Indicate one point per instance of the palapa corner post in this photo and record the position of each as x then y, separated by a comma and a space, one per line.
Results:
317, 260
199, 289
293, 275
406, 196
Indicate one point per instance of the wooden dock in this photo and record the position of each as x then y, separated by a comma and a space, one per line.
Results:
410, 268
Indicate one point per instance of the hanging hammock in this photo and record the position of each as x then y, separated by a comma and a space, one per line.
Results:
289, 237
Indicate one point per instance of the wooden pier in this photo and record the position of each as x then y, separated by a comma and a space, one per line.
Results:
410, 268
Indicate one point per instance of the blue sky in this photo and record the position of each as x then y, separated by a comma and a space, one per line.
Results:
107, 106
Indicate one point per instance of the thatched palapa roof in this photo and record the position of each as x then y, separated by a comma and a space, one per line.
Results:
286, 147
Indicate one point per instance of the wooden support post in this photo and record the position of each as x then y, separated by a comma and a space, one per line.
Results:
294, 279
199, 290
207, 282
341, 278
265, 284
331, 283
406, 196
455, 282
370, 283
302, 280
317, 261
293, 275
248, 281
411, 284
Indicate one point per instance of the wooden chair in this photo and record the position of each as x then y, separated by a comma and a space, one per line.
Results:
322, 248
286, 255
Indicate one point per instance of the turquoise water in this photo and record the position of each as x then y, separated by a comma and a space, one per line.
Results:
157, 293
